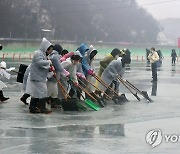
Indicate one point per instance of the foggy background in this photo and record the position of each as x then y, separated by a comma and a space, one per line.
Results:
119, 21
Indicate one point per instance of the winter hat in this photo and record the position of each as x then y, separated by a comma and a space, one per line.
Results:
1, 47
125, 60
45, 44
127, 52
64, 51
58, 48
122, 53
77, 53
115, 52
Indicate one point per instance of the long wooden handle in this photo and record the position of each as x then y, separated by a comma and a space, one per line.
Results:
145, 95
86, 92
104, 84
64, 92
88, 88
121, 80
124, 83
98, 88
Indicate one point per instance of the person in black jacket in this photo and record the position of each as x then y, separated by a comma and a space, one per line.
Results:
173, 55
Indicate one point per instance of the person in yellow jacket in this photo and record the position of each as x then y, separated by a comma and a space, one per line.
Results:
153, 57
115, 53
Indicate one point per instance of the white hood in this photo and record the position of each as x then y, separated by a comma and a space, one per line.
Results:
119, 59
45, 44
3, 64
77, 53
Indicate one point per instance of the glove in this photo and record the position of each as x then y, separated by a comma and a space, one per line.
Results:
75, 84
52, 68
66, 73
81, 75
62, 59
90, 72
50, 62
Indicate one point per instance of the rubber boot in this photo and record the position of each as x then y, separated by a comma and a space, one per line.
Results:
42, 106
2, 98
71, 92
97, 92
33, 108
24, 98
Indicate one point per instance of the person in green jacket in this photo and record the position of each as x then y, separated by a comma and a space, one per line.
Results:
115, 53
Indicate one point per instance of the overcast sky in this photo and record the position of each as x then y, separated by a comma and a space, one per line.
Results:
162, 9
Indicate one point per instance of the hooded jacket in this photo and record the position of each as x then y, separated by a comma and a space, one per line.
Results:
71, 68
83, 49
40, 65
112, 71
54, 57
104, 63
91, 49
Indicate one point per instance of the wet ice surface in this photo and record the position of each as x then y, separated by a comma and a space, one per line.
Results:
113, 129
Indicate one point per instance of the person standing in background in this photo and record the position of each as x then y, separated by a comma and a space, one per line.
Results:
160, 58
147, 54
173, 55
153, 57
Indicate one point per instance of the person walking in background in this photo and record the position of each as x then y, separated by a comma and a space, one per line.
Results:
153, 57
159, 63
173, 55
147, 54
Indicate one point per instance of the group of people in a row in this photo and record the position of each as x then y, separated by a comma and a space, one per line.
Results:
55, 73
